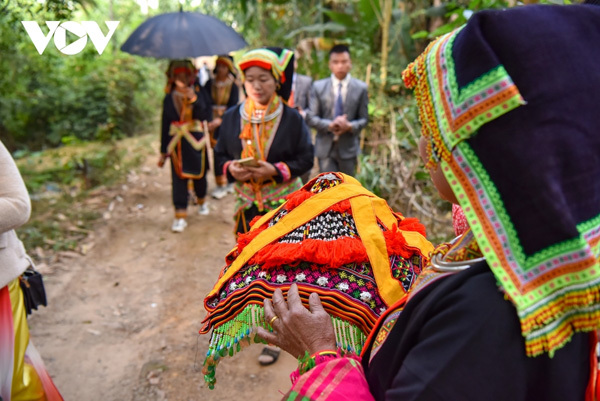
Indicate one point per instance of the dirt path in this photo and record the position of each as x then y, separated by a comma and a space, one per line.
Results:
123, 320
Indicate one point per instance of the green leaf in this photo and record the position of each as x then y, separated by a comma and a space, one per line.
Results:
341, 18
422, 176
420, 35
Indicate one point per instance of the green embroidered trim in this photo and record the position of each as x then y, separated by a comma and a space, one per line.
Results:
524, 262
477, 228
586, 228
470, 129
571, 315
296, 396
566, 292
491, 79
589, 225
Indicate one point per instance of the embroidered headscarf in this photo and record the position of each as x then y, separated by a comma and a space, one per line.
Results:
280, 63
178, 66
275, 59
227, 61
332, 237
511, 118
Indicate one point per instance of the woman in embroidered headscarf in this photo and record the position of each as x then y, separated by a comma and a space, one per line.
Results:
263, 145
186, 115
510, 309
225, 94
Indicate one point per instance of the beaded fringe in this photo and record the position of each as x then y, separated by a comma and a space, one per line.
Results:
233, 336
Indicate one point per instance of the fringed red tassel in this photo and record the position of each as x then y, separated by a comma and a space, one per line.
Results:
296, 198
396, 244
412, 224
329, 253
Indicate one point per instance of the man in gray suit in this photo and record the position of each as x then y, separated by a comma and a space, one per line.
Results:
338, 110
299, 100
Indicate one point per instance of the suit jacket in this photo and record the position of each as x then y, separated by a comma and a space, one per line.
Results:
320, 115
302, 91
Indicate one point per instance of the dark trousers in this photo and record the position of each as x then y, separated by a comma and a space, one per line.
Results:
334, 162
180, 189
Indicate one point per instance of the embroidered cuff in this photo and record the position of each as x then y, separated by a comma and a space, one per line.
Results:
284, 170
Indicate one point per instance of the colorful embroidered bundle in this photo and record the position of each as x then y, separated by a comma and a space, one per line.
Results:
332, 237
521, 157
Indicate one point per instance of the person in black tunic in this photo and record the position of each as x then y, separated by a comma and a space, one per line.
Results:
270, 137
186, 115
510, 309
225, 94
263, 145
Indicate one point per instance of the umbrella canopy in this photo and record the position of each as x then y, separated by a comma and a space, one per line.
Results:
182, 35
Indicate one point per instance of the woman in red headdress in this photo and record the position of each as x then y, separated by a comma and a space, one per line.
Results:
224, 93
263, 145
186, 117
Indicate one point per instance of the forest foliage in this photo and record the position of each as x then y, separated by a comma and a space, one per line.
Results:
53, 100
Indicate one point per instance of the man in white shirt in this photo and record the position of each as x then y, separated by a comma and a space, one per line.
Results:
338, 111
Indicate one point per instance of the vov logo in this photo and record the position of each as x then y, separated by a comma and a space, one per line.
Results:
81, 29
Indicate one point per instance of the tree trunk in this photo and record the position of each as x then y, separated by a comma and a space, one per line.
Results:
262, 28
386, 8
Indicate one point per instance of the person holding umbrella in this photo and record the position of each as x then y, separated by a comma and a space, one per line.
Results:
184, 121
224, 93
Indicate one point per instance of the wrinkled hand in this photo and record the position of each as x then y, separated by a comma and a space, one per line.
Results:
239, 172
297, 329
263, 172
161, 160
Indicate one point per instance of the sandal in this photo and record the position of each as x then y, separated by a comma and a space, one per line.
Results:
268, 356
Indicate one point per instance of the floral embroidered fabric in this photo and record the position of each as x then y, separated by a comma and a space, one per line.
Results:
324, 254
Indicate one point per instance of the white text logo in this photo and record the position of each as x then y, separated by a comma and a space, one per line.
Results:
81, 29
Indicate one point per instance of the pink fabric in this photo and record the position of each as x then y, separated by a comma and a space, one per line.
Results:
459, 221
33, 357
7, 352
284, 170
7, 344
338, 379
225, 167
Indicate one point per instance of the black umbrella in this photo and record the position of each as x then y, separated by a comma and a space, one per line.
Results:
182, 35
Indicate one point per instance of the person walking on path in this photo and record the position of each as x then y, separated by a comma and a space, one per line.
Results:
300, 97
224, 94
263, 145
185, 118
300, 100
